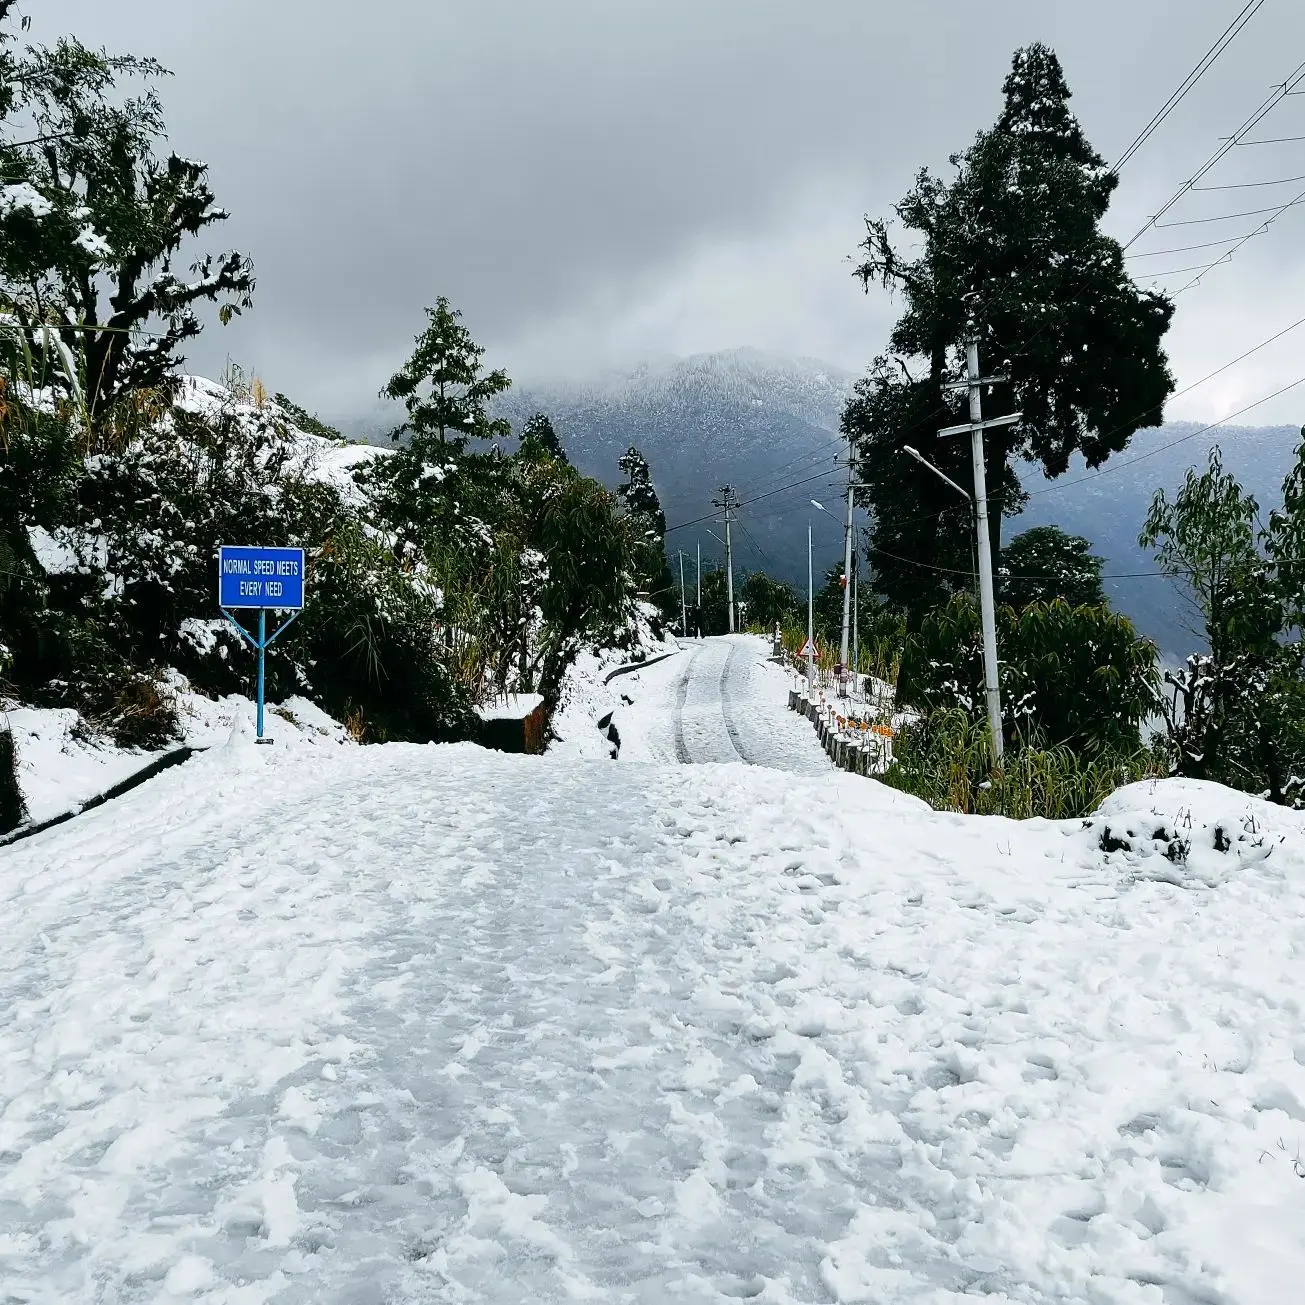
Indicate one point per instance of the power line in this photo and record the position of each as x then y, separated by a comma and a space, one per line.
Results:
1250, 235
1275, 98
1182, 439
711, 516
1223, 217
1185, 249
1246, 185
1209, 376
1203, 66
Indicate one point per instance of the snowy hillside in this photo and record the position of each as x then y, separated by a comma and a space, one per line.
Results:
410, 1023
739, 416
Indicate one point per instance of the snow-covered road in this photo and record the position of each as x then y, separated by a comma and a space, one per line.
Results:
399, 1024
720, 700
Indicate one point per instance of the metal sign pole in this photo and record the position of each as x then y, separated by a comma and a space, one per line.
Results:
262, 659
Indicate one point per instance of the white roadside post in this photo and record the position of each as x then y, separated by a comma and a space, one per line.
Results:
976, 425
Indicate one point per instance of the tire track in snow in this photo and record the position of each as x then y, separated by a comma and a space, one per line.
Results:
681, 698
727, 707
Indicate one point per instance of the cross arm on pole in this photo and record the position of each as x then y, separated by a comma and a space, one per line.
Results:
251, 639
982, 380
967, 427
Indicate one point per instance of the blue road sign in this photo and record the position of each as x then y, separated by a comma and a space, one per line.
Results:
261, 577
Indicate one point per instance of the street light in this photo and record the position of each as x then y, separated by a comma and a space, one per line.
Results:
964, 493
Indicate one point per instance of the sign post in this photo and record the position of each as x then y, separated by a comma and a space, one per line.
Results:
266, 579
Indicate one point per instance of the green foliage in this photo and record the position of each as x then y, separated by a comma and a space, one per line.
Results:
1078, 677
714, 615
1010, 252
1044, 564
1237, 714
922, 532
769, 602
444, 387
308, 422
368, 645
946, 759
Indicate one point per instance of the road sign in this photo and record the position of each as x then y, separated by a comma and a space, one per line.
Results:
270, 578
808, 648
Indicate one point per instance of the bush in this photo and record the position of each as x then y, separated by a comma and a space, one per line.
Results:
1079, 677
13, 809
946, 759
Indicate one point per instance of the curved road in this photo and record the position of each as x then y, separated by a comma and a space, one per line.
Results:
721, 700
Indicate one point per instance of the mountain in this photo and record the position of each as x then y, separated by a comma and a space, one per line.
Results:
767, 424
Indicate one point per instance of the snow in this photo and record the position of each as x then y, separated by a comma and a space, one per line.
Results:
435, 1023
54, 553
59, 764
62, 763
20, 194
512, 706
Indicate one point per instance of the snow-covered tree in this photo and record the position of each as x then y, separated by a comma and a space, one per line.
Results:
444, 387
1235, 714
95, 221
638, 497
1010, 252
1045, 563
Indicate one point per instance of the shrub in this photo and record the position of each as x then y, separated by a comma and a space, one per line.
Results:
13, 809
1079, 677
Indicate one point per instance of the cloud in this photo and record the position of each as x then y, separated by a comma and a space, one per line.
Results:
590, 178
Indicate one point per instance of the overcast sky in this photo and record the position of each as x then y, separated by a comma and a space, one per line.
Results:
593, 180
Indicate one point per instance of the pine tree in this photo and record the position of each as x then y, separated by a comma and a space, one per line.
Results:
446, 391
540, 440
1013, 255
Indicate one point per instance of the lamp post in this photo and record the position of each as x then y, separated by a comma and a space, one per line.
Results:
964, 493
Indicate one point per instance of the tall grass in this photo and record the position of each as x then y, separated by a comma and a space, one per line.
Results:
946, 759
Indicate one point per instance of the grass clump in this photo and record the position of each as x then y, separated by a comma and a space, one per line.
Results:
946, 759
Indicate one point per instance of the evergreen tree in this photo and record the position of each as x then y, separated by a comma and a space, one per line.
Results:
639, 499
1045, 563
445, 389
1011, 254
96, 219
540, 440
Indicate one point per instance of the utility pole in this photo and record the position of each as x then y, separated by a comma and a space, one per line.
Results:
684, 609
724, 503
852, 487
974, 383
